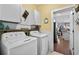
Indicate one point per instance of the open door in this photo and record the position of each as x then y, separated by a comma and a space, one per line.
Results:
76, 33
72, 31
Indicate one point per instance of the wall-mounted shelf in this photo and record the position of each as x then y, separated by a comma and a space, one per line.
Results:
17, 30
9, 22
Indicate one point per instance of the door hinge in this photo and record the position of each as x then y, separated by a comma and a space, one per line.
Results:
72, 13
73, 51
72, 48
73, 31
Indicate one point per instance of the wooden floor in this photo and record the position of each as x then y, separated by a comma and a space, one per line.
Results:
62, 47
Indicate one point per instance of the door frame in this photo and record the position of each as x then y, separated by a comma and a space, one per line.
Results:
52, 21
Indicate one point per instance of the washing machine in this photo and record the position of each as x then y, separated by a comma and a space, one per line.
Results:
42, 42
17, 43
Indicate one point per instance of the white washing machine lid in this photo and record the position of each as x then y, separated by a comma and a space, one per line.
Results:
14, 39
13, 36
38, 34
10, 45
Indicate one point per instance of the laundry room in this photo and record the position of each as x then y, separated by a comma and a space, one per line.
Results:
31, 29
20, 25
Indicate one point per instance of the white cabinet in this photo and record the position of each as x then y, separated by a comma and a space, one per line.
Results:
10, 12
30, 18
33, 18
13, 13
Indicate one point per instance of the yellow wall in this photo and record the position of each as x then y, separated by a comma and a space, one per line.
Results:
45, 11
29, 6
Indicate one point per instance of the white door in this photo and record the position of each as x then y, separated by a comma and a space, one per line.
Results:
72, 31
76, 33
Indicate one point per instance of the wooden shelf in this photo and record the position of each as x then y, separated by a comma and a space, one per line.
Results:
17, 30
9, 21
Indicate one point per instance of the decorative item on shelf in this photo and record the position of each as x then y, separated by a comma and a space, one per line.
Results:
46, 20
7, 27
25, 14
1, 26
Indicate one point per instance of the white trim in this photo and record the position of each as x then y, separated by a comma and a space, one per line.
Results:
52, 31
70, 6
55, 10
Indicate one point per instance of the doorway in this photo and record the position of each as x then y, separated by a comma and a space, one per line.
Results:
62, 37
63, 31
